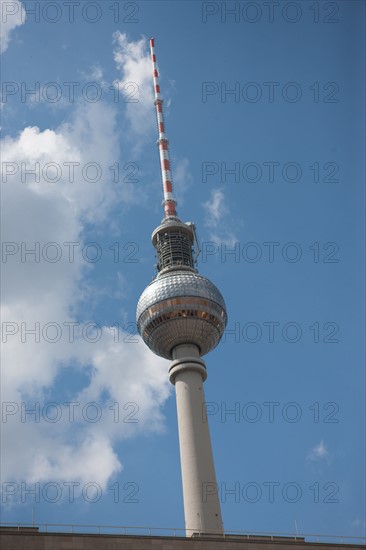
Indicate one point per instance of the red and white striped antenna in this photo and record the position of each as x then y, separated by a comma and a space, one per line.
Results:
168, 202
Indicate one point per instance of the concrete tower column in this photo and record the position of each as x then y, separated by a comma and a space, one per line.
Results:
201, 500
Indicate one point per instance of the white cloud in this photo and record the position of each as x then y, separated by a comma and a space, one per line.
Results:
216, 208
217, 219
112, 370
182, 179
127, 383
97, 74
319, 452
12, 15
133, 60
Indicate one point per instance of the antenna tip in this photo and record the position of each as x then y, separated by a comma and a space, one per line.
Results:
152, 40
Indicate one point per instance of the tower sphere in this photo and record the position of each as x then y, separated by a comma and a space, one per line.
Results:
181, 307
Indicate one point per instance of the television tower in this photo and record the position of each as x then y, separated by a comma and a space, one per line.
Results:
182, 316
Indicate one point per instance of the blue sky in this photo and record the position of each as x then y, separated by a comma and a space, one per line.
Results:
264, 113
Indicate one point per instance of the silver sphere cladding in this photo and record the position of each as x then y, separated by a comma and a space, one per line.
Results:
181, 307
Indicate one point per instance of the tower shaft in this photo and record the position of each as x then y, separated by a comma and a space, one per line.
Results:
200, 494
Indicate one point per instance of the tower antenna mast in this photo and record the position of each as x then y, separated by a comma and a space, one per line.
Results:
163, 144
